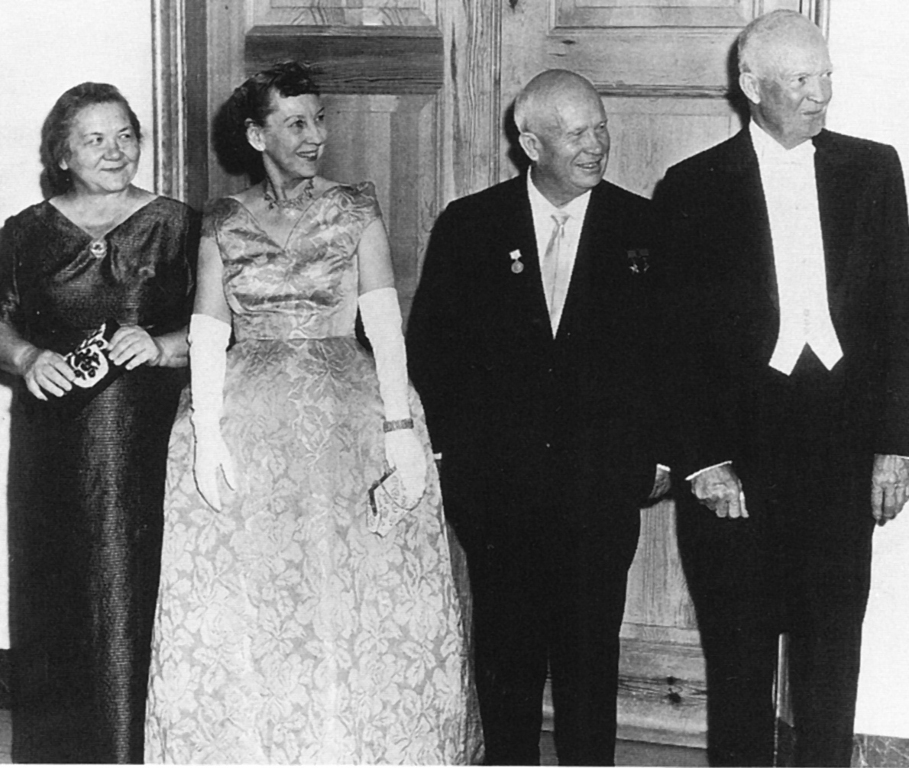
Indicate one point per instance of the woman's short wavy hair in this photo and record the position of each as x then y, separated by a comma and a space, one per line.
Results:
58, 124
252, 101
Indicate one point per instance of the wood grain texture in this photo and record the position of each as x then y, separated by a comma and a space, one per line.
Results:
368, 61
659, 684
388, 140
226, 27
346, 13
470, 110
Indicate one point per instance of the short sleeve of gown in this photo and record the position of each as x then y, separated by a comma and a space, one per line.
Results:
9, 259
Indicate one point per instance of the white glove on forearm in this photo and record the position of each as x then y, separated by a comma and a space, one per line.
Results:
208, 338
403, 450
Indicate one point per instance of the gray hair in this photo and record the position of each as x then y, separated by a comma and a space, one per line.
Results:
764, 29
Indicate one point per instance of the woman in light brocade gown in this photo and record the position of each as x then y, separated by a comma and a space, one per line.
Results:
287, 631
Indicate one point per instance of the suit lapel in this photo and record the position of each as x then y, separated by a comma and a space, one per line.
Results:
594, 237
523, 291
833, 175
745, 179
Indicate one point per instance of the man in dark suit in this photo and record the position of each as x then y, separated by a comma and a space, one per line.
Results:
789, 247
530, 344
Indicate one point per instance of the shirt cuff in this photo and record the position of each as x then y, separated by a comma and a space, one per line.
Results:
712, 466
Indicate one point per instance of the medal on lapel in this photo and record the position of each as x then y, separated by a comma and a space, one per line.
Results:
517, 266
638, 260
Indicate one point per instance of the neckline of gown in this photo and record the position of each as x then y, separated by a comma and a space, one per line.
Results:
87, 235
305, 214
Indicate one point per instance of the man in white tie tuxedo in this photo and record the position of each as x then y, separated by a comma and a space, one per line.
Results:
533, 349
789, 254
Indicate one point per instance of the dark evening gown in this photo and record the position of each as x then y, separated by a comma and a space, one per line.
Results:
86, 488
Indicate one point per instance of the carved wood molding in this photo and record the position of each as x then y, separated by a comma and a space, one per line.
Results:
344, 13
354, 60
168, 97
703, 14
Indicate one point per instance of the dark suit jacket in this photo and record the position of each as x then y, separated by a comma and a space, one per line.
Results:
720, 254
502, 396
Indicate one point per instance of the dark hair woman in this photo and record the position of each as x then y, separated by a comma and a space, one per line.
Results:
87, 462
295, 625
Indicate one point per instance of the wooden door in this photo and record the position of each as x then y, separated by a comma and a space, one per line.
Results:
418, 95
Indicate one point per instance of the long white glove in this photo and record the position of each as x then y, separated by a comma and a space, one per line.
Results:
208, 338
382, 322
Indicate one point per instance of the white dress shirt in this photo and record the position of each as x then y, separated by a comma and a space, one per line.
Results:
543, 225
790, 190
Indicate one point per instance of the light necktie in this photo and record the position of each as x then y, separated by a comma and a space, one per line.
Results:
550, 266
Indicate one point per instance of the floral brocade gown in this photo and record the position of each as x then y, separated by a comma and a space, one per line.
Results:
285, 631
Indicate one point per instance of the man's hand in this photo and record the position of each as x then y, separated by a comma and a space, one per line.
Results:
720, 489
889, 486
661, 483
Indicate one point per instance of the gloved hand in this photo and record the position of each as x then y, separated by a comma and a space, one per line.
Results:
382, 322
404, 452
212, 455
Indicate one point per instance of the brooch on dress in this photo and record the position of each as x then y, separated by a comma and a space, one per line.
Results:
517, 266
98, 248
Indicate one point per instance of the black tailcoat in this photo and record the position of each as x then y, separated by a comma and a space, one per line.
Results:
803, 444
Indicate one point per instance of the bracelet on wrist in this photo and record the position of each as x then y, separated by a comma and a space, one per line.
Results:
393, 426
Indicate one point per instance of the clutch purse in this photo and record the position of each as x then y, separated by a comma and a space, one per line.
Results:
94, 371
386, 504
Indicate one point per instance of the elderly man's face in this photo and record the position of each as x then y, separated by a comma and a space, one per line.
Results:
791, 89
569, 145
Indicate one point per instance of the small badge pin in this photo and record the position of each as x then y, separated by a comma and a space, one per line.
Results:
639, 260
517, 266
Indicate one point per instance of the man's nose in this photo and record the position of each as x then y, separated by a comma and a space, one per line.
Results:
595, 144
821, 89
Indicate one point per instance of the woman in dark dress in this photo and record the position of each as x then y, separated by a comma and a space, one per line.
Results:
87, 478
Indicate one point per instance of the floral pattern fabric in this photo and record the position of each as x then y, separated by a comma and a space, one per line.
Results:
285, 631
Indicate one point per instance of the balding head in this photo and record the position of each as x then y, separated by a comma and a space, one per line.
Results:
563, 131
534, 105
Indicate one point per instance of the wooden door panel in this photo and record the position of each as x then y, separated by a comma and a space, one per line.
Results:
649, 133
389, 140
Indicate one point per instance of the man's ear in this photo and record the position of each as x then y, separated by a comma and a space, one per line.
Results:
254, 136
750, 85
530, 144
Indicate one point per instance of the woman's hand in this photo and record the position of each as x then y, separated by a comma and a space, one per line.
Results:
404, 452
212, 459
132, 346
45, 371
